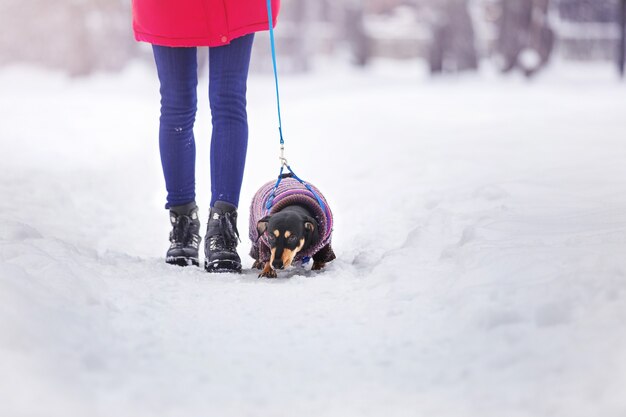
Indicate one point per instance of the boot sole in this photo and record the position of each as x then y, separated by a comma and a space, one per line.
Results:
182, 261
224, 266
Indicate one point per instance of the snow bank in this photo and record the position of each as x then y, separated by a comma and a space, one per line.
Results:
481, 226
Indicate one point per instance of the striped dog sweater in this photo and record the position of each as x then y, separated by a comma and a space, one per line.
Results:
291, 192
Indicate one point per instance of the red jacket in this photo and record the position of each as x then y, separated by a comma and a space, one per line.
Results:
199, 22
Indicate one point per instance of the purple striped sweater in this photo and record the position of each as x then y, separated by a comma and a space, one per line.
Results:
291, 192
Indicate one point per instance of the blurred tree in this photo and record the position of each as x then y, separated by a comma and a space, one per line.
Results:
80, 37
301, 53
308, 28
354, 29
587, 10
526, 39
621, 56
452, 47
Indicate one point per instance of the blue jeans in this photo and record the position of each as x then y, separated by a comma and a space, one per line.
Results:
178, 74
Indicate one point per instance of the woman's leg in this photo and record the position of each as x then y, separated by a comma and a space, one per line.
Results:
228, 74
178, 74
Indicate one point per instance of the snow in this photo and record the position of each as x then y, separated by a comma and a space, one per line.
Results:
480, 233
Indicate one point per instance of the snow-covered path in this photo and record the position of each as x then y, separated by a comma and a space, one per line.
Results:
481, 242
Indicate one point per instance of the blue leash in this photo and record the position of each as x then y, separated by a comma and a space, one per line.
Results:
270, 19
283, 160
270, 200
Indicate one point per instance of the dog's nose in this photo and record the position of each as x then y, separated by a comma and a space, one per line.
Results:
277, 264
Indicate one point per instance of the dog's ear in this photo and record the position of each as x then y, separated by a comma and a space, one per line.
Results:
310, 223
261, 225
310, 228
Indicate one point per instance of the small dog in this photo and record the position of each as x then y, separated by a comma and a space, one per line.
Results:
298, 227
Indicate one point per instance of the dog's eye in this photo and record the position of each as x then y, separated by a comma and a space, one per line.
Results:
291, 239
271, 237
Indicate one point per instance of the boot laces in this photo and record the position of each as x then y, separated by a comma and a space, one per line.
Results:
181, 234
228, 236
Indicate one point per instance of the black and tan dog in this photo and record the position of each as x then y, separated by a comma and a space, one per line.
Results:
289, 222
290, 231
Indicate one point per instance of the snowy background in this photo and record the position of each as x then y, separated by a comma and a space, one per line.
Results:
480, 234
480, 218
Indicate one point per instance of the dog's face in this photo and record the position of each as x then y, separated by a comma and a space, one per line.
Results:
287, 234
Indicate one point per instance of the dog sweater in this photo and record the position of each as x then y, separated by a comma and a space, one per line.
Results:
291, 192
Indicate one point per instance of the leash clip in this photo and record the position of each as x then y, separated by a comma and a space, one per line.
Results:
281, 158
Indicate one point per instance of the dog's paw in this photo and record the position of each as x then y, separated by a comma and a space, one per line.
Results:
257, 265
268, 272
318, 266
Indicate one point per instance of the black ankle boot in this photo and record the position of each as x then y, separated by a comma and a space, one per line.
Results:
220, 242
185, 235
